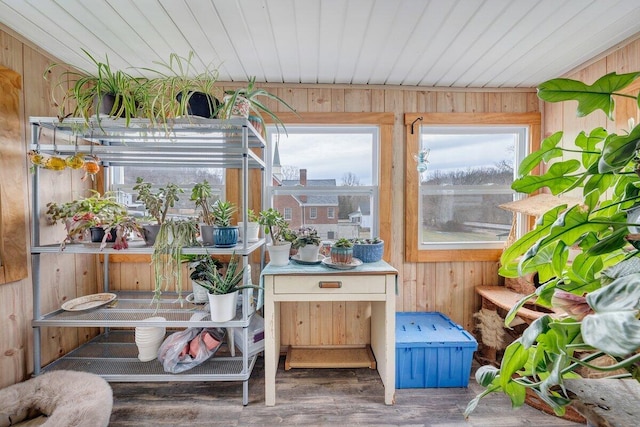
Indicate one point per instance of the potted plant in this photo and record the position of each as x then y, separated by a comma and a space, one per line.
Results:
198, 266
223, 288
342, 251
307, 242
201, 194
100, 212
157, 204
177, 90
599, 289
278, 230
243, 101
105, 91
253, 227
225, 235
368, 250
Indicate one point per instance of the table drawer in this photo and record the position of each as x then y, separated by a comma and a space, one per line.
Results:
329, 284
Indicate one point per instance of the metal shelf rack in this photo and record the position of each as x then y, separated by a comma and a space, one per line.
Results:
233, 144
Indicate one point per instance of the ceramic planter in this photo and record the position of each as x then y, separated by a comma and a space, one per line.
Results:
223, 307
225, 237
368, 252
309, 253
240, 109
279, 254
253, 232
341, 255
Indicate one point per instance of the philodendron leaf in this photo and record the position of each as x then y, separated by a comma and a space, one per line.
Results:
557, 178
571, 226
610, 243
623, 294
548, 150
590, 98
520, 246
589, 145
514, 359
537, 327
617, 333
486, 374
516, 392
618, 151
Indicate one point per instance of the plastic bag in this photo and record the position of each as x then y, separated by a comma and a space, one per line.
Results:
186, 349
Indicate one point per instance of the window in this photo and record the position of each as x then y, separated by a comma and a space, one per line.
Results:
325, 169
320, 167
468, 176
122, 180
287, 214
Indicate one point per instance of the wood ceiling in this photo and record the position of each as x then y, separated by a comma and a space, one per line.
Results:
425, 43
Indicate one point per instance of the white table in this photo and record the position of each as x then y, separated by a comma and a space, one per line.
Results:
374, 282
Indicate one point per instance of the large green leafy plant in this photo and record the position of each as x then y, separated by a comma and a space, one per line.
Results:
599, 290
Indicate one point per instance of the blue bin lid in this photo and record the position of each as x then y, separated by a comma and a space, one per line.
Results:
430, 329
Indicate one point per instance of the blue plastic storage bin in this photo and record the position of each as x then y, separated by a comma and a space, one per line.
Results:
432, 351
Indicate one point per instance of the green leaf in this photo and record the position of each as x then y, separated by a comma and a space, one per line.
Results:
617, 333
590, 98
556, 178
537, 327
486, 374
516, 392
618, 151
515, 357
623, 294
520, 246
548, 150
610, 243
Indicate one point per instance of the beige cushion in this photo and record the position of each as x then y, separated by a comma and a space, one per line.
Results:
65, 398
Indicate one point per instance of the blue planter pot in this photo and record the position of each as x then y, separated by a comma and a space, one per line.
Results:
225, 237
368, 252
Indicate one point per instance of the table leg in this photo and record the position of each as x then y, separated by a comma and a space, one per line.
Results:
271, 347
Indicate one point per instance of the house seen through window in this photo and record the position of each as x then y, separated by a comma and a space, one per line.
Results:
324, 177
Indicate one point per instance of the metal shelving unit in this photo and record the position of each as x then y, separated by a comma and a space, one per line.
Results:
232, 144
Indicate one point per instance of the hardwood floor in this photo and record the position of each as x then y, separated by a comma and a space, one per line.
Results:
313, 397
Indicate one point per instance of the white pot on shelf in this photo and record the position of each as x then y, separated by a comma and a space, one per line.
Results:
309, 253
279, 254
253, 232
223, 307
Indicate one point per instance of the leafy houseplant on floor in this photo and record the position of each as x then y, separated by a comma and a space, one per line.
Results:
600, 289
222, 288
342, 251
225, 235
308, 244
277, 228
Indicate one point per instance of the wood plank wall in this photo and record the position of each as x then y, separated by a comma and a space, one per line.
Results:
447, 287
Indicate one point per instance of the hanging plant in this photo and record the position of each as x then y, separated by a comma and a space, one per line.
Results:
167, 255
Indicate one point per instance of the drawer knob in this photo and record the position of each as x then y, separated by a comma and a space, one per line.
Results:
330, 285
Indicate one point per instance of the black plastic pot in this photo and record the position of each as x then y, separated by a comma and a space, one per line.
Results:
97, 234
201, 104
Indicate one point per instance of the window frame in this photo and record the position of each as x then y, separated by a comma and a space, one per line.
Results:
413, 253
384, 122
